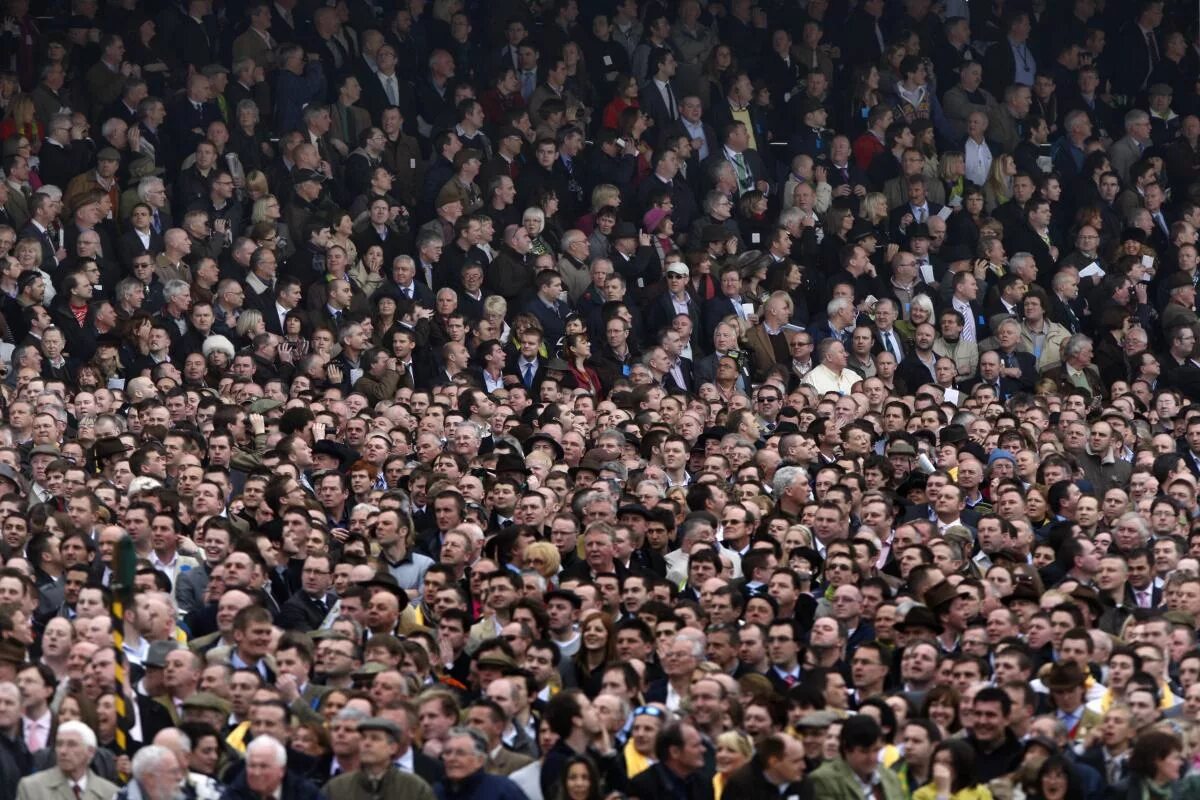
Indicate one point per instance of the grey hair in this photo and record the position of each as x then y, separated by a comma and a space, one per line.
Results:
83, 731
925, 304
1075, 345
174, 288
477, 741
538, 580
790, 217
837, 305
111, 124
268, 743
1136, 117
785, 477
248, 105
146, 184
351, 715
1022, 257
696, 640
151, 758
1139, 521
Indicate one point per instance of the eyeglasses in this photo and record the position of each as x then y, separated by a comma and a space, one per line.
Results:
649, 711
839, 567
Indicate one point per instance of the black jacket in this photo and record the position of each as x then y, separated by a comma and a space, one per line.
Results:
656, 783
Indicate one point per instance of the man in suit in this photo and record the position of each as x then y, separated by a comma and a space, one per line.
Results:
1129, 149
857, 764
917, 210
189, 116
1136, 49
1010, 60
659, 98
1015, 364
285, 28
71, 777
384, 88
305, 610
1032, 234
190, 40
1077, 370
775, 771
667, 305
691, 124
747, 164
257, 43
550, 311
681, 754
990, 374
106, 77
729, 302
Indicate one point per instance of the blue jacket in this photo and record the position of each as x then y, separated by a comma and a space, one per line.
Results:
479, 786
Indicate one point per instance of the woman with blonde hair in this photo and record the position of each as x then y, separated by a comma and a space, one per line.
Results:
734, 751
495, 309
250, 323
268, 209
919, 311
953, 173
544, 559
997, 190
534, 222
21, 120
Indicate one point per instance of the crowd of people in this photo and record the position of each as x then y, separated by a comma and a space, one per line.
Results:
577, 400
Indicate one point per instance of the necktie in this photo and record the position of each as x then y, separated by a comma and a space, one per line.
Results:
36, 740
528, 82
1143, 599
390, 86
156, 222
1152, 46
408, 292
743, 175
920, 215
890, 344
529, 376
75, 789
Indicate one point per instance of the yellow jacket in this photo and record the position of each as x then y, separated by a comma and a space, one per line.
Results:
978, 792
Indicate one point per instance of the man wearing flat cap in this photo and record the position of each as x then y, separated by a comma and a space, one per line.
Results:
377, 774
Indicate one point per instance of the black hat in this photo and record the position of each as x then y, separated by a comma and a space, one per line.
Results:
954, 252
387, 581
713, 233
107, 447
637, 509
344, 454
572, 598
1022, 593
918, 230
1133, 234
548, 439
812, 104
511, 462
861, 230
953, 434
302, 175
1179, 280
625, 230
919, 617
